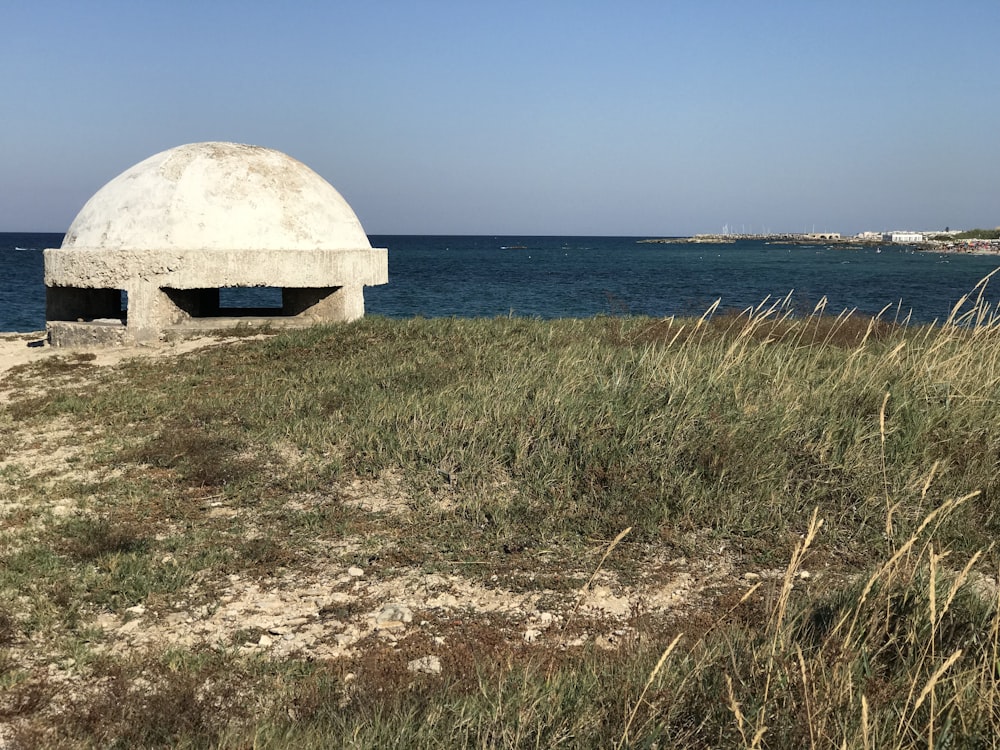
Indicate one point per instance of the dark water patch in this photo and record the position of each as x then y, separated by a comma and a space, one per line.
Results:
22, 286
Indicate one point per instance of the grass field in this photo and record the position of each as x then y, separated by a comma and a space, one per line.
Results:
748, 530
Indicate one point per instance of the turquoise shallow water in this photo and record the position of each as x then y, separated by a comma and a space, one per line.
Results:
552, 277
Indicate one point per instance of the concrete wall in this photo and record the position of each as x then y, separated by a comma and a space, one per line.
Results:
172, 288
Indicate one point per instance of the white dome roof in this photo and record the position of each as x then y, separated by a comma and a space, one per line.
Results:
217, 196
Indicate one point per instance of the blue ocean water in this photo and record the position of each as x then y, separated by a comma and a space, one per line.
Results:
551, 277
22, 287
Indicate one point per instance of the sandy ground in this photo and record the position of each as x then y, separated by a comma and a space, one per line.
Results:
17, 349
22, 348
26, 348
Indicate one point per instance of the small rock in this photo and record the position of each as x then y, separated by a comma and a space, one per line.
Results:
106, 621
270, 604
443, 601
438, 640
265, 641
531, 635
355, 572
435, 581
137, 610
805, 575
605, 642
425, 664
751, 576
394, 612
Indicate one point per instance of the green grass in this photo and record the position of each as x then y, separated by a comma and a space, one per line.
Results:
523, 447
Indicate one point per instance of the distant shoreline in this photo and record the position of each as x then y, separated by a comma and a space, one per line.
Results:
785, 239
962, 247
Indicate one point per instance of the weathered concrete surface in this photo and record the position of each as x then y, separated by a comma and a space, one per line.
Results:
175, 228
199, 269
217, 196
95, 333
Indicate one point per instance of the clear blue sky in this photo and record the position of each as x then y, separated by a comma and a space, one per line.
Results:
534, 117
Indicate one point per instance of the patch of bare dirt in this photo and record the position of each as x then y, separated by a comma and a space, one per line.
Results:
337, 609
18, 349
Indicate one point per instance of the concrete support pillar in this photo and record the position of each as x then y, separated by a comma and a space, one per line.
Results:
328, 304
150, 310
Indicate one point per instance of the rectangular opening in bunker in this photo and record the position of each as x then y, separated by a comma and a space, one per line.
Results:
262, 300
228, 302
76, 304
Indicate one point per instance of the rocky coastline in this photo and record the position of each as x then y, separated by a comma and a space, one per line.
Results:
964, 247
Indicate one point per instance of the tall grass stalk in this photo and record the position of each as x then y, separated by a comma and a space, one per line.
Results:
586, 587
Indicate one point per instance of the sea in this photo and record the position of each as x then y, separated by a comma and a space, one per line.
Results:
558, 277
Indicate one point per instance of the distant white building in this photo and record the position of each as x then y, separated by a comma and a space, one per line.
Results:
870, 236
904, 237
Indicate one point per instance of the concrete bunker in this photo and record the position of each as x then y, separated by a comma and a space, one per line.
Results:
151, 253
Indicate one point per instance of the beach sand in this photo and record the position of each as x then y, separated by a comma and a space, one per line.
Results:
28, 348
